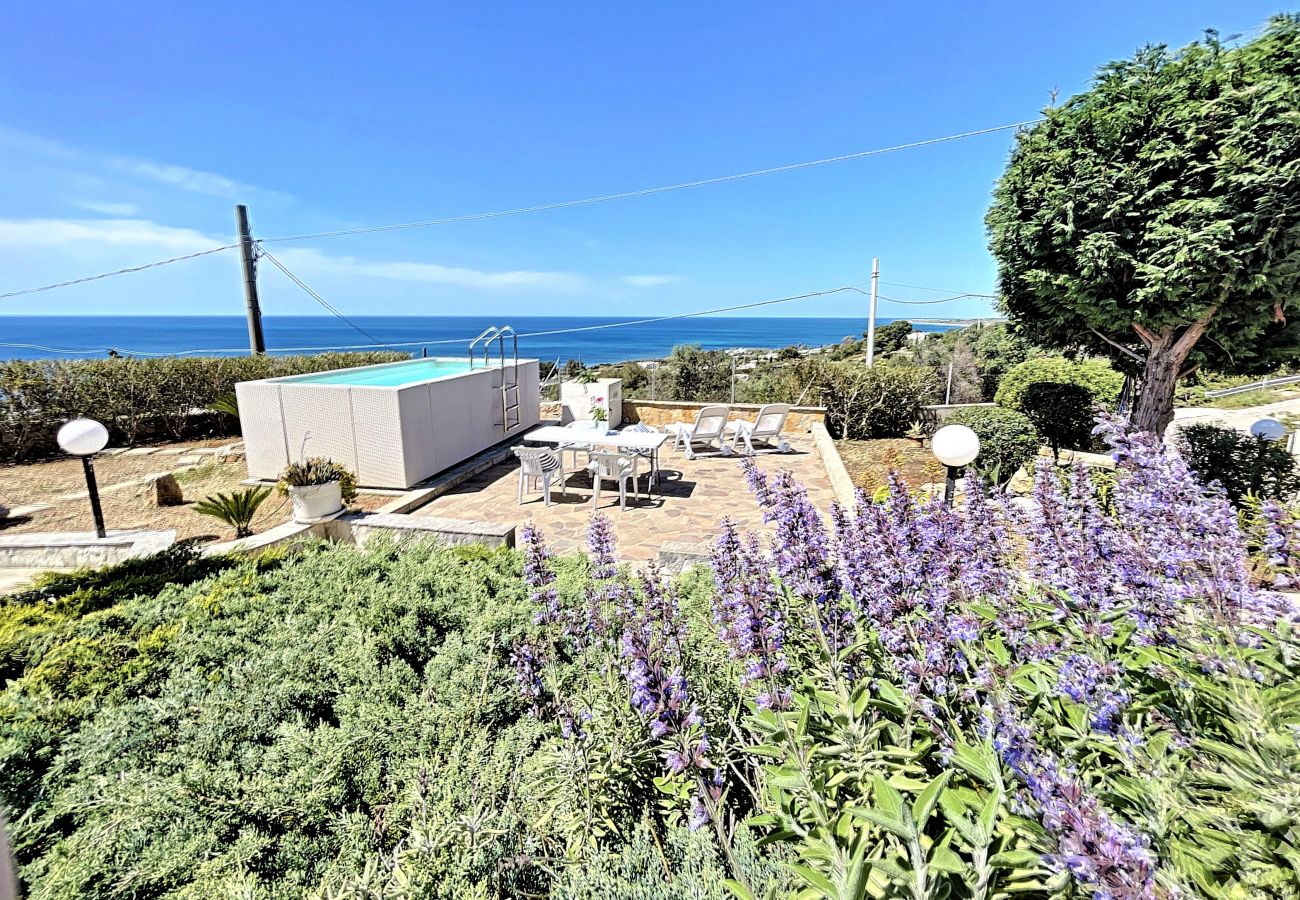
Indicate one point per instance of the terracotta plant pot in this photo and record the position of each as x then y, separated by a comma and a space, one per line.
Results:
316, 502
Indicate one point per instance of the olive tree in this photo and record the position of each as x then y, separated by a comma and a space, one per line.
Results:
1155, 218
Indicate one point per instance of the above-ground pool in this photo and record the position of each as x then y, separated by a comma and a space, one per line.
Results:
394, 424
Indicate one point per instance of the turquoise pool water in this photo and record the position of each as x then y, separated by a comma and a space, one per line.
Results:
387, 376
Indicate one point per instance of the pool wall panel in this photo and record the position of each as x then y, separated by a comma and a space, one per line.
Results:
392, 437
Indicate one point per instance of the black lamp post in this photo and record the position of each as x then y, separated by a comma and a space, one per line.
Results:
85, 438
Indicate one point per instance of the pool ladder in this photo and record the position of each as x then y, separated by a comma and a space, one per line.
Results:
510, 417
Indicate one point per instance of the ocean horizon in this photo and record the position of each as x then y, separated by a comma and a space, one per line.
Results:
584, 338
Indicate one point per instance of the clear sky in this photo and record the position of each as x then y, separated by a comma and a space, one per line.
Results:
128, 131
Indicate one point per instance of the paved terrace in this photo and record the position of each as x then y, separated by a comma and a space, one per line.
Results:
697, 495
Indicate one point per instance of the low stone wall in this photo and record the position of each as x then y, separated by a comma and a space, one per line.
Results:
663, 412
363, 527
76, 549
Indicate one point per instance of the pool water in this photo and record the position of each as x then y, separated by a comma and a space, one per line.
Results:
387, 376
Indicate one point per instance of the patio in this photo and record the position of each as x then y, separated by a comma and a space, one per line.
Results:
694, 496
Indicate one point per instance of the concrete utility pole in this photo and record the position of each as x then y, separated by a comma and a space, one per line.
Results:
871, 315
256, 343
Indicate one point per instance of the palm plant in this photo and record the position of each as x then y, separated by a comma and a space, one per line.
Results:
227, 404
236, 509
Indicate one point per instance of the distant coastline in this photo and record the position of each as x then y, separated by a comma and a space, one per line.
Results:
588, 339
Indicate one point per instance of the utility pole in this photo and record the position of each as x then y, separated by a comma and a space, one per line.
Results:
871, 315
256, 343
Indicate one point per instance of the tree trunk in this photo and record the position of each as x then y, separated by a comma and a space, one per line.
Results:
1166, 354
1154, 409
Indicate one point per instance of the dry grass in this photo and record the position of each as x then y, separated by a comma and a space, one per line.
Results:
129, 507
870, 462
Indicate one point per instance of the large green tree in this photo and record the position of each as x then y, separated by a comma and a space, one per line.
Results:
1155, 218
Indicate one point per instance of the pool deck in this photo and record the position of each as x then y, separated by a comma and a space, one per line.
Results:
697, 494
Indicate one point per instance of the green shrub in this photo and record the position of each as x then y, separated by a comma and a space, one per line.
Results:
237, 509
1008, 439
1243, 465
694, 374
317, 470
1062, 414
1102, 381
882, 401
138, 399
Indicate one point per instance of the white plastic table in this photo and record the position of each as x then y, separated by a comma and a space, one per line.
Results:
601, 437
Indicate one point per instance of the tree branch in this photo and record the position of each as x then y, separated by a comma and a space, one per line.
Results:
1184, 344
1145, 334
1118, 346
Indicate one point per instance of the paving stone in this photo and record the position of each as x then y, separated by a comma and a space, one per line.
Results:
696, 495
191, 460
30, 510
141, 451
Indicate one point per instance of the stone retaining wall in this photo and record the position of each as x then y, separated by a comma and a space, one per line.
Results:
662, 412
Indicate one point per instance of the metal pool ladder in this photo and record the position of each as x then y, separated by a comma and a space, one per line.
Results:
510, 417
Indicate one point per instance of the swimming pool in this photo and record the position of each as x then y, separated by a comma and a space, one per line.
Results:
386, 374
393, 424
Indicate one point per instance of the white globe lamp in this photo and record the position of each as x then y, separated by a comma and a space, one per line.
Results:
85, 438
954, 446
1268, 430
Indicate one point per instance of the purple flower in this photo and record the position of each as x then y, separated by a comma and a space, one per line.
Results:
748, 615
1111, 858
539, 576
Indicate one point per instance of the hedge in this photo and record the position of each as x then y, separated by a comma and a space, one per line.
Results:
138, 399
1102, 381
1008, 439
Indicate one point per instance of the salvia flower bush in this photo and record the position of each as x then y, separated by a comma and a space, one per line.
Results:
1088, 697
1095, 695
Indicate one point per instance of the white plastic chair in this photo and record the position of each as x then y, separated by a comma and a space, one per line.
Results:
651, 456
707, 431
765, 429
542, 465
619, 467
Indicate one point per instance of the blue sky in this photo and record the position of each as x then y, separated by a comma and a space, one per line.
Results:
129, 130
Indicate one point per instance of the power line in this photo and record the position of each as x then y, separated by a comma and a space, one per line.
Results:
920, 287
329, 307
126, 271
624, 195
466, 340
931, 302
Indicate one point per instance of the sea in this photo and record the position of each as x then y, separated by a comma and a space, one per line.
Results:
589, 340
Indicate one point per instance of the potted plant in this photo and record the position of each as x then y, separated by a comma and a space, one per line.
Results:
597, 411
318, 488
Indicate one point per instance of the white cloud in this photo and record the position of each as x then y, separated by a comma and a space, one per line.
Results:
643, 281
74, 234
118, 210
184, 178
430, 273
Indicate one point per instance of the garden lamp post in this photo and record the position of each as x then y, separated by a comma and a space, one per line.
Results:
85, 438
954, 446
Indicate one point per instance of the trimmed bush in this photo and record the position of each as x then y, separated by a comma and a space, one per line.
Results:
1102, 381
167, 398
883, 401
1243, 465
1008, 439
1062, 413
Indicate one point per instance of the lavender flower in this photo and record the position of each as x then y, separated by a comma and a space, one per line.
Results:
528, 675
749, 618
651, 648
1098, 686
1099, 852
539, 577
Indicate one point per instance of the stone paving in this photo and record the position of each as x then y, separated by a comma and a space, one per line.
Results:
696, 495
